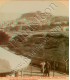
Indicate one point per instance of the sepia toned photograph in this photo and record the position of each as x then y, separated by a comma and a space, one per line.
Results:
34, 38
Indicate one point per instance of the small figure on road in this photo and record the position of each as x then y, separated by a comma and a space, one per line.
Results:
42, 66
47, 69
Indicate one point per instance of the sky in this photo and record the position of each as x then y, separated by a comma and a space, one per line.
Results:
14, 8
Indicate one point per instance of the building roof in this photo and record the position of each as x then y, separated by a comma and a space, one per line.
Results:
12, 62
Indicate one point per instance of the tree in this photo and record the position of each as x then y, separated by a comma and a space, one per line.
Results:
4, 38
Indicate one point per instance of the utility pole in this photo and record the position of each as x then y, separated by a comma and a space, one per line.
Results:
53, 68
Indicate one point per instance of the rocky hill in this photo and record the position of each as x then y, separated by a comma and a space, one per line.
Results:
51, 46
36, 21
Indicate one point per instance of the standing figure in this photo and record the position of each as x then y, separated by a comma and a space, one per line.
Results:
42, 66
47, 69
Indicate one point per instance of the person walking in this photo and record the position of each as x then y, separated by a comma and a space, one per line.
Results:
47, 69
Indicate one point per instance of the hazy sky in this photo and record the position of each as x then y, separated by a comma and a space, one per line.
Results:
20, 6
